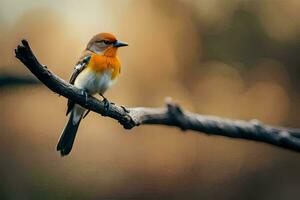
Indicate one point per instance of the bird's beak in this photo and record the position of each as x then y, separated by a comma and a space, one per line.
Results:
119, 44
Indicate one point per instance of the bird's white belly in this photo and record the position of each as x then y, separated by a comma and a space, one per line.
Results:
94, 82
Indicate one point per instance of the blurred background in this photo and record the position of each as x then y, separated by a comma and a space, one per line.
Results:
235, 58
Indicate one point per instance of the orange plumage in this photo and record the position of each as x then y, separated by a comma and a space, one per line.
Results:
101, 63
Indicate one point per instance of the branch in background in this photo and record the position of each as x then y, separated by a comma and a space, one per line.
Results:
171, 115
7, 80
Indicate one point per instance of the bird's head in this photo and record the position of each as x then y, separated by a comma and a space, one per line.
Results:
105, 44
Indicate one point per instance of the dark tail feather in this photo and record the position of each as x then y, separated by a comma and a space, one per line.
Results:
67, 137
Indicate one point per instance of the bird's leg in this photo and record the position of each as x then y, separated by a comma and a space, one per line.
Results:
105, 101
85, 93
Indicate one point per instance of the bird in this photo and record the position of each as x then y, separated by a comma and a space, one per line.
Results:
96, 71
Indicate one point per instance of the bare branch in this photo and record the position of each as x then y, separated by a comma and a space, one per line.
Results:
171, 115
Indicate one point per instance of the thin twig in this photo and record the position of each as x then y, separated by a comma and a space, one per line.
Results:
171, 115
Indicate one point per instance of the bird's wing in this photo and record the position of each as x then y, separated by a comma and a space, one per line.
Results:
80, 66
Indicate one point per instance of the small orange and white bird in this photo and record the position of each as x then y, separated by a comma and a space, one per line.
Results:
95, 72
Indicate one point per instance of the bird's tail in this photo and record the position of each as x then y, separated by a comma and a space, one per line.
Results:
67, 137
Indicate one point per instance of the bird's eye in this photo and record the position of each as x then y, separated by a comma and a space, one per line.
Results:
106, 42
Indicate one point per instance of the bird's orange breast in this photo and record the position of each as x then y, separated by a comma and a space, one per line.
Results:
101, 63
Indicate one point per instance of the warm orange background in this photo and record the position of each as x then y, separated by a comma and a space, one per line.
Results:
235, 58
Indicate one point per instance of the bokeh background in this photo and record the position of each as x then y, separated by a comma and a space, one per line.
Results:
236, 58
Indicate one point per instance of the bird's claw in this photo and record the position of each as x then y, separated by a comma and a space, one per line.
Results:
106, 102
